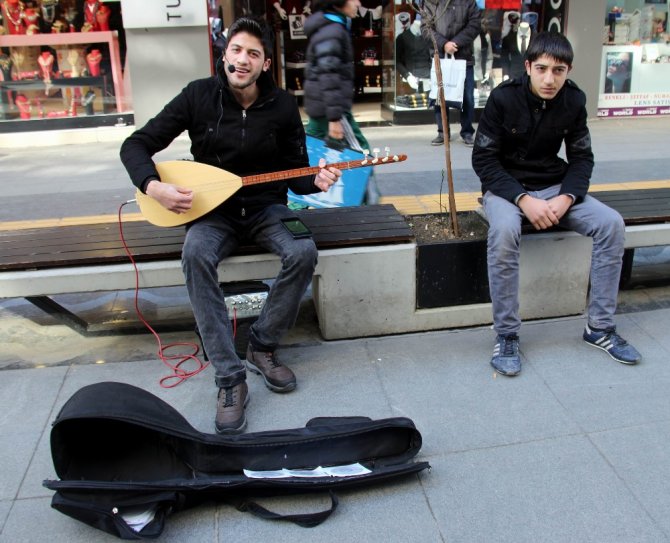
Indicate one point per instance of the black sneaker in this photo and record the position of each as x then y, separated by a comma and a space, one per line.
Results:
613, 344
439, 140
468, 139
230, 405
277, 377
506, 359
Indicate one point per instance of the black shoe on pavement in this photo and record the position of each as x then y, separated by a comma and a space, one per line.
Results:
277, 377
230, 405
439, 140
468, 139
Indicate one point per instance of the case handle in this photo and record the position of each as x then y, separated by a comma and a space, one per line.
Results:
306, 520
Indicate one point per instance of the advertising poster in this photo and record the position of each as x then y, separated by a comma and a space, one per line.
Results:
632, 81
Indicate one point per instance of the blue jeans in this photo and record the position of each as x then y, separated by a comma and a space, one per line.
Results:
213, 238
590, 218
467, 109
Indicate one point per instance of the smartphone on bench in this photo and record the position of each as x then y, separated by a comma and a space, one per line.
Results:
296, 227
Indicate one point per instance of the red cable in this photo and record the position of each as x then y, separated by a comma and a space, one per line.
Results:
178, 374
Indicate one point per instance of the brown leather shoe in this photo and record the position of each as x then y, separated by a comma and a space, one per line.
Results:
277, 377
230, 404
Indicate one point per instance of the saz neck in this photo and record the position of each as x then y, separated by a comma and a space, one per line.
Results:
313, 170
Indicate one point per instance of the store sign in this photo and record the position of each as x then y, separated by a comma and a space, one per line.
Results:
163, 13
554, 15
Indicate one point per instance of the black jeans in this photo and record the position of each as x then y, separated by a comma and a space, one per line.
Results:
213, 238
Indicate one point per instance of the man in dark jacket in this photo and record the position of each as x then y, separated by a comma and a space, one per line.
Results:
520, 133
239, 121
455, 24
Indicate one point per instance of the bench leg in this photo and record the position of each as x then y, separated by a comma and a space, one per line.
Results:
626, 268
87, 329
56, 310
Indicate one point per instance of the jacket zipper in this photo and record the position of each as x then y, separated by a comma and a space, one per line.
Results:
243, 212
244, 126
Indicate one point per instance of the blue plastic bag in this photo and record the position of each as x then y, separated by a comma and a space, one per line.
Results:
350, 190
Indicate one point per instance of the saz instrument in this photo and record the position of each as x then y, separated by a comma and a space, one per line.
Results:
212, 186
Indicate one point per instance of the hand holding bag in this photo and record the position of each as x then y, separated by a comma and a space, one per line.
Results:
453, 81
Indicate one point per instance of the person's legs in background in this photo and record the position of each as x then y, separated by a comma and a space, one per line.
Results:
439, 139
468, 108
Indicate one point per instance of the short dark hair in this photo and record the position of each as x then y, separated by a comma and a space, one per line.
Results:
255, 27
552, 44
328, 5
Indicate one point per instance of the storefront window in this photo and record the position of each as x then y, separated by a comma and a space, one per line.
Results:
635, 67
61, 59
507, 27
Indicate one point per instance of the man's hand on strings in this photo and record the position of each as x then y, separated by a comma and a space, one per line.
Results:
171, 197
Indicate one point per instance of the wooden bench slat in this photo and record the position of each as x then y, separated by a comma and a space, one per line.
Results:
99, 244
638, 206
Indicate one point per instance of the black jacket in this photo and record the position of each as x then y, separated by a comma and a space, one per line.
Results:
412, 55
267, 137
460, 22
329, 74
520, 135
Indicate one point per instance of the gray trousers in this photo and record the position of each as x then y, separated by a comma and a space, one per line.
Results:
589, 218
213, 238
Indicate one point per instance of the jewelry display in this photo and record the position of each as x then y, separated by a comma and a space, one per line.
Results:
102, 17
23, 104
96, 16
73, 60
87, 102
55, 76
13, 15
59, 27
31, 18
17, 59
93, 60
70, 15
5, 67
48, 8
46, 62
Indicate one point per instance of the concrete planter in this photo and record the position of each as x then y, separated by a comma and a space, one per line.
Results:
453, 272
371, 291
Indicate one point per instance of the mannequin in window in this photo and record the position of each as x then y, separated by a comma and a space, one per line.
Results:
483, 50
284, 8
412, 54
513, 51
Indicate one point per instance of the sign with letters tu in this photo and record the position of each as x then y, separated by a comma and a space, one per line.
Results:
163, 13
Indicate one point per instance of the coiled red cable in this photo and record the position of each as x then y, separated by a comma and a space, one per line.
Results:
178, 373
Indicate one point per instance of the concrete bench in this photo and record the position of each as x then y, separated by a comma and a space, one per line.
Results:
37, 264
365, 281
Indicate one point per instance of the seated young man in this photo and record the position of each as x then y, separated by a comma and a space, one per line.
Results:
241, 122
524, 124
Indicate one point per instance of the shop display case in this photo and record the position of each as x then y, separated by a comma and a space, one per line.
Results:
635, 64
57, 75
367, 49
405, 80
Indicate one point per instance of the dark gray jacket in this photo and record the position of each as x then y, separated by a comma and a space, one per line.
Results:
460, 22
329, 74
520, 135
